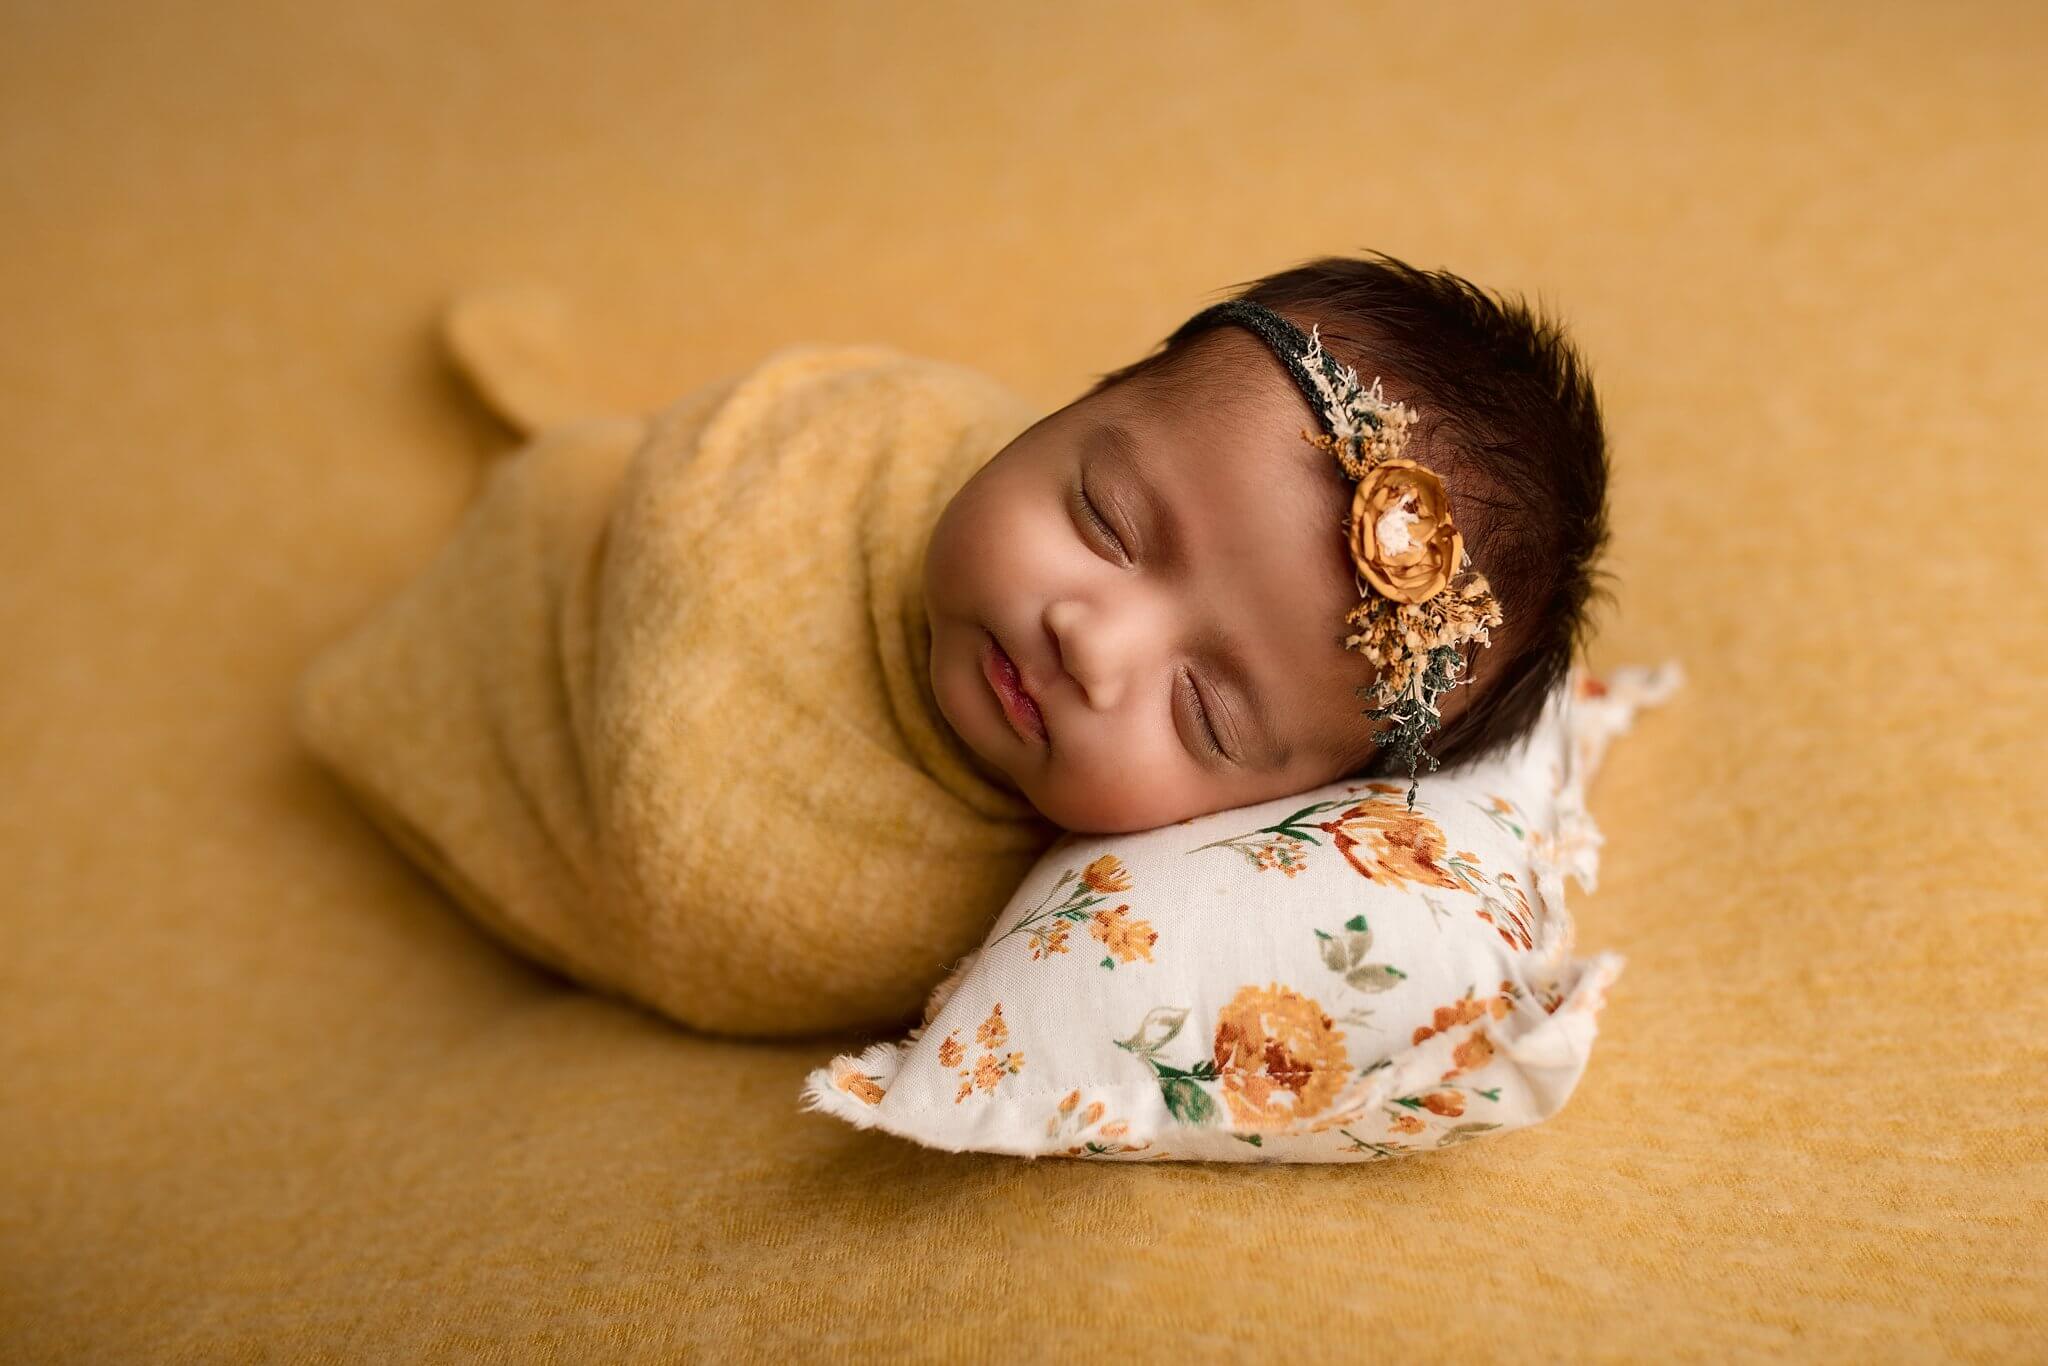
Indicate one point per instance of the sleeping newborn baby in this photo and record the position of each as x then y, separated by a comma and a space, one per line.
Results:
1137, 607
755, 710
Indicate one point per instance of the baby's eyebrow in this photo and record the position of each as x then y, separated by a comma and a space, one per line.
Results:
1271, 752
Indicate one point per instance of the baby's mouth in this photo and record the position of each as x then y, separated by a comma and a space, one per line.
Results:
1008, 685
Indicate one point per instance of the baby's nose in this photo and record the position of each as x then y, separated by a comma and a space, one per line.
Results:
1086, 646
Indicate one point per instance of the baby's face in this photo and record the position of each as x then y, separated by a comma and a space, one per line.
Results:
1168, 581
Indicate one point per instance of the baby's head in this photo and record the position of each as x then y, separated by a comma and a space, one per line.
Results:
1164, 561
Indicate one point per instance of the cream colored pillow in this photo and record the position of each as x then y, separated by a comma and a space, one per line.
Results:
1326, 978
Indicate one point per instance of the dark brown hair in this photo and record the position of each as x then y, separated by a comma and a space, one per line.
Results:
1511, 422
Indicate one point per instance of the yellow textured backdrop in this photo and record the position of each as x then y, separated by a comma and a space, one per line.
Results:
262, 1093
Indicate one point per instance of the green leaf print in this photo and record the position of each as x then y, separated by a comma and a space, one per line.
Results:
1187, 1101
1375, 977
1346, 953
1157, 1030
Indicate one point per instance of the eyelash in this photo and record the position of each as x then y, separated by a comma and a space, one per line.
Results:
1208, 727
1209, 735
1102, 524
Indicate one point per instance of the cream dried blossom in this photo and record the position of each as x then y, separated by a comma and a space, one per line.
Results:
1400, 636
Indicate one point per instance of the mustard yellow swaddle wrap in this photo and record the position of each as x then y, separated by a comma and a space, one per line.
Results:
659, 713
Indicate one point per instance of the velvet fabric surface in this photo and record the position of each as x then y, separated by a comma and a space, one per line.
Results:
268, 1096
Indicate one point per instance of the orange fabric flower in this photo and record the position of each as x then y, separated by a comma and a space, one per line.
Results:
1402, 539
860, 1086
1106, 875
1128, 939
1385, 842
993, 1031
1281, 1057
1470, 1055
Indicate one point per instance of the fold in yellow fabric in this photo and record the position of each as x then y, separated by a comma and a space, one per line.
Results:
659, 714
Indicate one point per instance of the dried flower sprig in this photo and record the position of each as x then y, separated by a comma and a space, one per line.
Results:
1421, 600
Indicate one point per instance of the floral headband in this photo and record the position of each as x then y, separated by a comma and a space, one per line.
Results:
1421, 600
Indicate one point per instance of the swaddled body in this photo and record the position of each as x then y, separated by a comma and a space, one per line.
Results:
666, 713
660, 715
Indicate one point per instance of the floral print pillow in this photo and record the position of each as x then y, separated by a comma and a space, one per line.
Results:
1327, 978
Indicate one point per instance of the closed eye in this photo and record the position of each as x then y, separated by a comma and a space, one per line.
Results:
1101, 524
1201, 714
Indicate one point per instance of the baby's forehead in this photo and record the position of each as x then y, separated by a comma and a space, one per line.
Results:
1243, 459
1240, 424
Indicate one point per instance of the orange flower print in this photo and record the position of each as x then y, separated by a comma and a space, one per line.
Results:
986, 1073
1128, 940
1502, 813
1381, 1152
1073, 901
991, 1069
1279, 1055
1283, 852
1381, 839
1521, 912
1106, 875
1065, 1122
1470, 1055
1406, 1114
1046, 941
993, 1031
1384, 841
992, 1066
1590, 685
1276, 1056
1466, 1009
1515, 916
857, 1084
1283, 846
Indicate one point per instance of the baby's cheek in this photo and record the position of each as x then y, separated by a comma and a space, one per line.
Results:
1133, 793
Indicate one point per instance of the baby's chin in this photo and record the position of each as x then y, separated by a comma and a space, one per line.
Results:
990, 772
995, 773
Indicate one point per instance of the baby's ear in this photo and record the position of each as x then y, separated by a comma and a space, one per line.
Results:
518, 347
